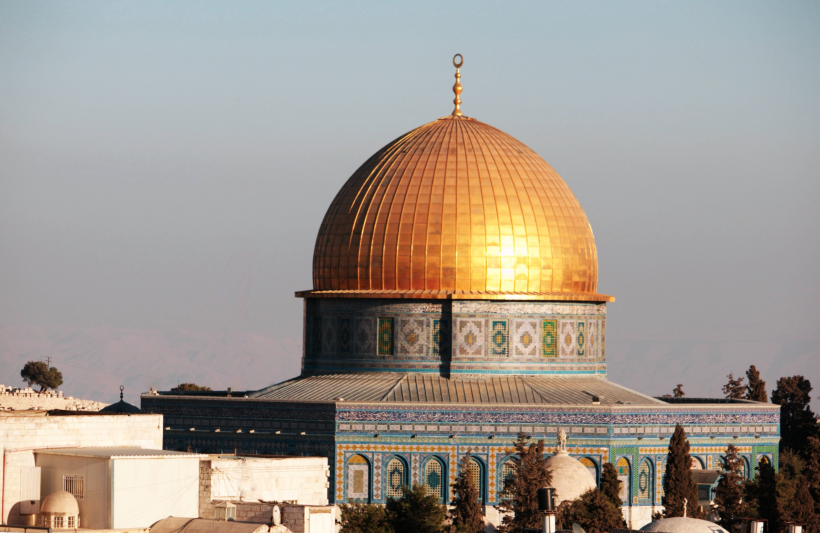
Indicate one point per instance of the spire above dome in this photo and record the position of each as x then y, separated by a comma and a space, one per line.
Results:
456, 209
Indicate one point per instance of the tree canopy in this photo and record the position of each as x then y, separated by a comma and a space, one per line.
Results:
678, 484
519, 502
466, 516
756, 387
415, 512
734, 388
593, 511
40, 374
797, 422
729, 492
189, 387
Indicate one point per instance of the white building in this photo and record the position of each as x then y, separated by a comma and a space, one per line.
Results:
118, 488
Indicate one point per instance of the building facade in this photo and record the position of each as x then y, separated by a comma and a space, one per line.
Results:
455, 306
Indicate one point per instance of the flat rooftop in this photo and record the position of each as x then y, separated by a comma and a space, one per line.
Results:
117, 452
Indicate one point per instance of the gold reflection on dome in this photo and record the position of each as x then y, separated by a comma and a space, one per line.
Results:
456, 209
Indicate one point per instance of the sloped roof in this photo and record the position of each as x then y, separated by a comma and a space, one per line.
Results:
430, 388
200, 525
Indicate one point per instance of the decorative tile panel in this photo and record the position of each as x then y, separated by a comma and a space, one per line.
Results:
345, 335
580, 338
499, 339
549, 338
328, 335
470, 337
440, 337
525, 339
566, 338
384, 341
411, 336
365, 336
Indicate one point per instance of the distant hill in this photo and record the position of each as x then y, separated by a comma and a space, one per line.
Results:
95, 362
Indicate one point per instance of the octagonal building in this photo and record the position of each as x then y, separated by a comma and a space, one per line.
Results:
454, 305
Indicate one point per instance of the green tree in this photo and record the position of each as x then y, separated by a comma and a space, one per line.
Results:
730, 491
793, 499
812, 471
756, 388
530, 473
363, 518
760, 495
415, 512
40, 374
611, 485
185, 387
466, 515
734, 388
593, 511
677, 392
679, 485
797, 422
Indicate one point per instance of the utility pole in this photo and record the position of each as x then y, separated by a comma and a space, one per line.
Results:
48, 361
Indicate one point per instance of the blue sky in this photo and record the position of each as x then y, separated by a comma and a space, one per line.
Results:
167, 165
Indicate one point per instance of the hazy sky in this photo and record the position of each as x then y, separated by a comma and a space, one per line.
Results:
166, 165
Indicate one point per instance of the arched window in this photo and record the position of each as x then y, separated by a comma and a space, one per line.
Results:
477, 475
507, 472
764, 460
662, 477
435, 478
591, 465
697, 464
744, 467
622, 466
396, 478
645, 480
358, 479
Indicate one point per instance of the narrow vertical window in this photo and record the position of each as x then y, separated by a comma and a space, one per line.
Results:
434, 478
396, 478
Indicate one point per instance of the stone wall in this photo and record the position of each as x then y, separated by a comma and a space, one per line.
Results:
15, 399
21, 432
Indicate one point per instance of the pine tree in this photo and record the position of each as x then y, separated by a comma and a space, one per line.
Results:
679, 485
530, 473
793, 496
466, 515
593, 511
802, 509
797, 422
730, 491
415, 512
611, 485
677, 392
363, 518
756, 388
734, 387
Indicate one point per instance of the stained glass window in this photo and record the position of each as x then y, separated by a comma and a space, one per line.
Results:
395, 478
434, 478
475, 474
507, 472
645, 481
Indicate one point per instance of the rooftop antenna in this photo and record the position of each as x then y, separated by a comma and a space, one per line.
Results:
458, 60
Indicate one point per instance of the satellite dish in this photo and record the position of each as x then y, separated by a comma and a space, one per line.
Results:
576, 528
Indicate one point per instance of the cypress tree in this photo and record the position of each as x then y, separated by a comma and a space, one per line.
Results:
466, 515
611, 485
812, 471
679, 485
760, 496
593, 511
756, 388
530, 473
797, 422
802, 509
730, 491
734, 387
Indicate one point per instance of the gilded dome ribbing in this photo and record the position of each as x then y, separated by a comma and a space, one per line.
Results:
456, 209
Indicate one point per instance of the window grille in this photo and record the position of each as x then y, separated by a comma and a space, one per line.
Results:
475, 475
70, 522
74, 485
57, 522
645, 481
507, 473
395, 478
433, 478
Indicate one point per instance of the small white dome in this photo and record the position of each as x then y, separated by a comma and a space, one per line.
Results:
681, 524
61, 502
570, 478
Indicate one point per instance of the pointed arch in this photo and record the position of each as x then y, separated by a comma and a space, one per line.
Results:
625, 477
646, 478
435, 477
396, 478
358, 485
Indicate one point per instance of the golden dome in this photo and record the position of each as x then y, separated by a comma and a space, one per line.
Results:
456, 209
